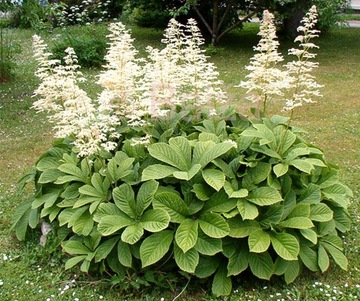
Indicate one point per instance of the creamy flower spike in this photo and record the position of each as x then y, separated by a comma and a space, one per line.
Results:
73, 112
265, 80
304, 84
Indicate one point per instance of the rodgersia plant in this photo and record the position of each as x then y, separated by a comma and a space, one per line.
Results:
182, 186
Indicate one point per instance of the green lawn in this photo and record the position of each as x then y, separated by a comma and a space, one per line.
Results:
28, 272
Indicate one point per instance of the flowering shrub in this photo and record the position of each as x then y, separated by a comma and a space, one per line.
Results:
156, 174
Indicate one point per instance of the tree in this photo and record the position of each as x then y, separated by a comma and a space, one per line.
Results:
218, 17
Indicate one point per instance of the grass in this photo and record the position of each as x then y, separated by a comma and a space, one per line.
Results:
28, 272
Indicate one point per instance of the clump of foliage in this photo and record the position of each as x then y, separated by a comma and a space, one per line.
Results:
8, 49
90, 48
156, 175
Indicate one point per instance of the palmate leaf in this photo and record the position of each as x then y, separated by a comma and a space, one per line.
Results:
75, 247
201, 191
219, 202
132, 233
103, 250
323, 259
337, 255
172, 203
186, 261
207, 245
320, 213
280, 169
240, 228
302, 165
285, 245
264, 196
241, 193
222, 284
238, 262
109, 224
338, 194
297, 223
177, 153
310, 235
155, 220
154, 247
213, 225
261, 265
247, 210
205, 155
47, 199
124, 198
259, 241
145, 196
187, 234
83, 224
188, 174
309, 257
207, 266
124, 254
49, 176
215, 178
157, 171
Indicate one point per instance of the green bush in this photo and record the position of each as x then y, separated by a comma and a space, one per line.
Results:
211, 198
8, 49
90, 49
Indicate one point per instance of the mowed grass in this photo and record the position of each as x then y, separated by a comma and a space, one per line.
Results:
28, 272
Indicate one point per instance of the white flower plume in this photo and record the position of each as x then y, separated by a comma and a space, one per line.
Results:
303, 83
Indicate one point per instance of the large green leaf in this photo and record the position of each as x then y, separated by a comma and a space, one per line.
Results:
188, 174
238, 262
310, 195
259, 241
309, 257
310, 235
215, 178
49, 176
320, 213
297, 223
74, 247
264, 196
105, 248
124, 198
261, 265
154, 247
109, 224
146, 195
338, 194
172, 203
285, 245
207, 266
186, 261
201, 191
302, 165
207, 245
187, 234
257, 174
73, 173
155, 220
247, 210
222, 284
280, 169
132, 233
240, 228
83, 224
211, 153
214, 225
292, 271
177, 153
337, 255
157, 171
124, 254
219, 202
323, 259
241, 193
71, 262
46, 200
48, 163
